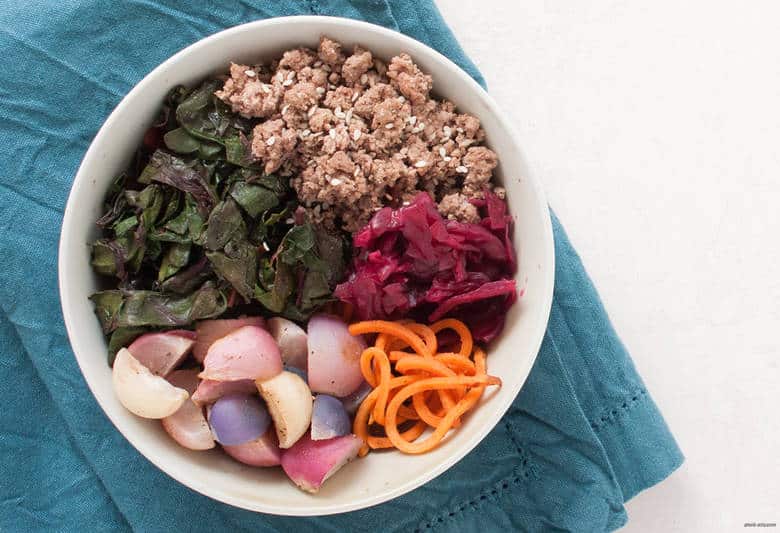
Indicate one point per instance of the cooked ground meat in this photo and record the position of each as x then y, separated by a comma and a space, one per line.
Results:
355, 134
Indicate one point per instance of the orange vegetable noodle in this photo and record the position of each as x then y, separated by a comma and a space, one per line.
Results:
417, 390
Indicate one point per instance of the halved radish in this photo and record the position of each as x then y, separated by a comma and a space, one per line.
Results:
329, 418
238, 418
210, 330
334, 356
310, 462
354, 399
209, 391
263, 451
161, 352
291, 339
289, 400
188, 426
141, 392
247, 353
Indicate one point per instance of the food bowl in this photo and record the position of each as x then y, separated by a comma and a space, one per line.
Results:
379, 476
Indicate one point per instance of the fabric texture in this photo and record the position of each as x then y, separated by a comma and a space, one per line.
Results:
582, 437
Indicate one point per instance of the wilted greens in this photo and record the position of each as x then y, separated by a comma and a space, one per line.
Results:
194, 229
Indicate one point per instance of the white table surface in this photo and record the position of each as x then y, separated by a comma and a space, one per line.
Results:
655, 128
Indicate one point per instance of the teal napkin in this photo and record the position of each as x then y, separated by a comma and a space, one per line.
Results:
581, 439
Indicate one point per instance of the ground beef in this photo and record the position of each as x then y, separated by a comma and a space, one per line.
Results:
356, 134
356, 65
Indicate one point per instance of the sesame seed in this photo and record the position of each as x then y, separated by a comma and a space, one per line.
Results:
401, 99
459, 130
447, 158
420, 164
388, 197
285, 108
266, 88
318, 134
318, 64
331, 86
271, 140
389, 126
339, 113
287, 83
461, 169
442, 152
348, 116
291, 75
251, 73
356, 134
412, 120
289, 220
332, 133
355, 96
335, 181
311, 110
357, 172
364, 79
406, 202
266, 247
447, 131
320, 90
311, 163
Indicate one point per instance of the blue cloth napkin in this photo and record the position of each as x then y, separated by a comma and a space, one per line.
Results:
582, 437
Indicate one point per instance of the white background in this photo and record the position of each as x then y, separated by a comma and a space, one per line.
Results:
655, 128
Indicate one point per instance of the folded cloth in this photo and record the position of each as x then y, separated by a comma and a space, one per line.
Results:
582, 437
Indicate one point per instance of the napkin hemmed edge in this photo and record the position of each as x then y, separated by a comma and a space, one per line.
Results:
640, 445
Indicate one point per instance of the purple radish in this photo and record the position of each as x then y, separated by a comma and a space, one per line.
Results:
334, 356
291, 339
352, 402
263, 451
310, 462
329, 419
238, 418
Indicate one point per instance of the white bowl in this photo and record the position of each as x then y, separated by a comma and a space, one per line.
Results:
380, 476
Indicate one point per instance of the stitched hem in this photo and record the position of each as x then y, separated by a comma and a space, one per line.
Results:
610, 416
640, 446
516, 478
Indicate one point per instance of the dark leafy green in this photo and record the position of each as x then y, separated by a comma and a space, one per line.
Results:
187, 226
194, 222
206, 117
189, 279
123, 308
176, 257
191, 177
297, 279
255, 199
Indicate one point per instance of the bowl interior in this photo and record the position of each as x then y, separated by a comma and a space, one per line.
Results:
212, 473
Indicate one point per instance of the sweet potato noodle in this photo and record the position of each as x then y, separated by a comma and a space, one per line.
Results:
418, 388
411, 262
